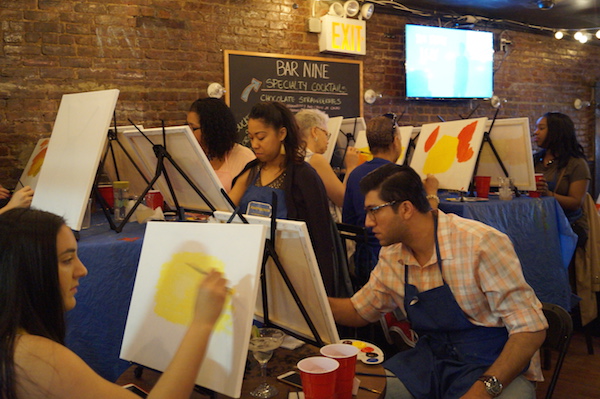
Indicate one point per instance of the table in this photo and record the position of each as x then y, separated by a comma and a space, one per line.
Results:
95, 326
542, 237
283, 360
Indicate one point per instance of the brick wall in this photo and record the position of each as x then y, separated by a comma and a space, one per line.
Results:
162, 54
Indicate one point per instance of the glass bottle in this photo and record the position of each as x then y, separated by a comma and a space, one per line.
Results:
121, 193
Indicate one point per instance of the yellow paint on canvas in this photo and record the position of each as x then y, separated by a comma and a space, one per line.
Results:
364, 155
177, 288
441, 156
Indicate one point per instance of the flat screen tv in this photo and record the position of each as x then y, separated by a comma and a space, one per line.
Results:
447, 63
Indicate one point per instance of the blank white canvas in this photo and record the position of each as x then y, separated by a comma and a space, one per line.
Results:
295, 251
333, 127
512, 140
352, 126
79, 135
152, 340
437, 151
404, 133
183, 147
127, 171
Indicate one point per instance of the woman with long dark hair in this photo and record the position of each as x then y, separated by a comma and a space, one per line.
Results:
279, 169
562, 161
39, 276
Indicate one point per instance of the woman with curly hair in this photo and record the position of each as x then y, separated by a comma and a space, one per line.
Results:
213, 125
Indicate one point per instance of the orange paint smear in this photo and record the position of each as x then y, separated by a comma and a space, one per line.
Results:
431, 139
464, 151
37, 163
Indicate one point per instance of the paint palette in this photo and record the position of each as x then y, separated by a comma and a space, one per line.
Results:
369, 353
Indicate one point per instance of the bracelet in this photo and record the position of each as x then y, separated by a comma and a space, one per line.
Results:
433, 197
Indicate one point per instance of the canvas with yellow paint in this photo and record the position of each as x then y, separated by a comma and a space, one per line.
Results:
449, 151
175, 258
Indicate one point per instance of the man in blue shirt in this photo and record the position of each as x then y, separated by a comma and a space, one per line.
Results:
386, 147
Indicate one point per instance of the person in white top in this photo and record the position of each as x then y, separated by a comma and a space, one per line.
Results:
213, 125
313, 128
19, 199
40, 274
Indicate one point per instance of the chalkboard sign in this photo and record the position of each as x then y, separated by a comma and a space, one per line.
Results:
331, 85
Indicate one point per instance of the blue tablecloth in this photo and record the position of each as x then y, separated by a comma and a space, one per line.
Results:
540, 233
95, 326
538, 229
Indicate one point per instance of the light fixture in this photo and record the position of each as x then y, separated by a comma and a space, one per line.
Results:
598, 34
215, 90
366, 11
496, 102
579, 104
578, 35
337, 9
559, 34
583, 38
371, 96
351, 8
545, 4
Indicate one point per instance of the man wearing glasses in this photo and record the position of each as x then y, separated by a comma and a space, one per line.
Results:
460, 284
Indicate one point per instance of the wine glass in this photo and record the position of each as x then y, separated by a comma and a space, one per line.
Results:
262, 347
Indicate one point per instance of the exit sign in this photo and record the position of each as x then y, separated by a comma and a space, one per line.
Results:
343, 35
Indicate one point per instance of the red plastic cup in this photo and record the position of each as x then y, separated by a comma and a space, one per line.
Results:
154, 199
346, 356
538, 177
106, 191
318, 375
482, 186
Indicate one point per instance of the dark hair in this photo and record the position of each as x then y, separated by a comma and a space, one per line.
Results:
29, 286
397, 183
219, 130
277, 115
561, 139
380, 133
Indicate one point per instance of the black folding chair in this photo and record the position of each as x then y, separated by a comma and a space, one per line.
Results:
558, 338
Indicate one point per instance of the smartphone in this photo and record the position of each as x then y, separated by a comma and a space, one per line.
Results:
136, 390
292, 378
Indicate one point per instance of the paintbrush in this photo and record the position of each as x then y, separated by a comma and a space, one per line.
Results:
204, 273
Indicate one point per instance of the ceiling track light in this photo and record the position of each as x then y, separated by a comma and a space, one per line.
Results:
545, 4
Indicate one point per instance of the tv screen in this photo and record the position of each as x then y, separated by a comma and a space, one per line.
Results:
446, 63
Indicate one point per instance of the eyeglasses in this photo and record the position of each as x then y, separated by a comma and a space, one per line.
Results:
372, 210
325, 131
394, 119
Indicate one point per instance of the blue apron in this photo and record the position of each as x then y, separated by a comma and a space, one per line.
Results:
451, 352
256, 201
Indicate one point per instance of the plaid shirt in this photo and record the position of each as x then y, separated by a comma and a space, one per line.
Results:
480, 266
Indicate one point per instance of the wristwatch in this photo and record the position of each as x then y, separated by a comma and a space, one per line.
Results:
492, 386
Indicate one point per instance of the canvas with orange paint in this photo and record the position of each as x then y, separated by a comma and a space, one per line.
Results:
175, 258
34, 165
449, 151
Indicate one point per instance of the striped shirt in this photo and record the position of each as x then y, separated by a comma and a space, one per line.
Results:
480, 266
